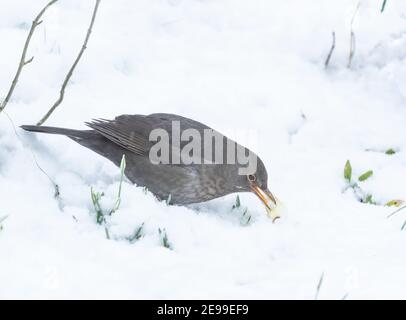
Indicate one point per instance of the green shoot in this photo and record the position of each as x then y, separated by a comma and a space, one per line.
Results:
122, 171
96, 197
168, 201
164, 238
369, 199
394, 203
365, 175
245, 214
383, 5
101, 215
237, 203
362, 197
390, 152
107, 232
248, 220
348, 171
136, 235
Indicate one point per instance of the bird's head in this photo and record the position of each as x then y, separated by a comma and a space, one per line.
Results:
257, 182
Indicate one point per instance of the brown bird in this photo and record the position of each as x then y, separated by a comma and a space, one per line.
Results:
182, 183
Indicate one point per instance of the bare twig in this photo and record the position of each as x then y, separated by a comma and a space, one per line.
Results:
29, 61
320, 283
352, 49
69, 75
23, 60
333, 45
352, 36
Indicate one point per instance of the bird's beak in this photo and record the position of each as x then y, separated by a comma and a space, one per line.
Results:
268, 200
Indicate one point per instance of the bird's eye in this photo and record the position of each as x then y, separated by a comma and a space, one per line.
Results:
251, 177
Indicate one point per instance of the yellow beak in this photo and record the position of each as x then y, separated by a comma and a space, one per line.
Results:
268, 200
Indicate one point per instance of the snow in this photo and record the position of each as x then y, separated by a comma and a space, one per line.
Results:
240, 67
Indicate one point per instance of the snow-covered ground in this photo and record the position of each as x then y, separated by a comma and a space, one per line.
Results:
240, 67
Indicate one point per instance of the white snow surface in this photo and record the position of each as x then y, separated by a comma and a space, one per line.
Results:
238, 66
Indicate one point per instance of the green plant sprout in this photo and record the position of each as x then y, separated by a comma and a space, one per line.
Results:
101, 215
348, 171
364, 198
365, 175
368, 199
383, 5
245, 214
164, 238
168, 201
138, 234
96, 197
389, 151
394, 203
122, 171
237, 203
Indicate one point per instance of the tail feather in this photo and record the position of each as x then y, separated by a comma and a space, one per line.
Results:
54, 130
87, 138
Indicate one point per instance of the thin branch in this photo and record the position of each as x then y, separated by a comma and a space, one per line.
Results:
355, 14
352, 36
23, 61
352, 49
29, 61
320, 283
69, 75
333, 45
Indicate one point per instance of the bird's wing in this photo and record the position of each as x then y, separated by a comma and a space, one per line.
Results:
166, 119
132, 131
131, 135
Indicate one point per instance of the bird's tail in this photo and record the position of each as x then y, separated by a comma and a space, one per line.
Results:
54, 130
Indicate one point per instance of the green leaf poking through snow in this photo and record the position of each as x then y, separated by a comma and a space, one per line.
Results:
101, 215
369, 199
164, 238
168, 201
383, 5
390, 152
96, 197
394, 203
237, 202
118, 200
348, 171
138, 233
365, 175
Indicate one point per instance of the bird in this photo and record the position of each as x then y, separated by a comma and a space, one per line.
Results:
176, 181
